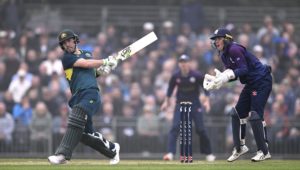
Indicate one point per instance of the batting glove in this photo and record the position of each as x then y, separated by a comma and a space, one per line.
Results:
110, 61
103, 70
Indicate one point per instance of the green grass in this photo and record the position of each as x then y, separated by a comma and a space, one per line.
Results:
76, 164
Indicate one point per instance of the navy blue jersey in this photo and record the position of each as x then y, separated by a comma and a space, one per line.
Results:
244, 64
188, 88
78, 78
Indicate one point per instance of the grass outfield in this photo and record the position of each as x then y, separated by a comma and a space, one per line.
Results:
76, 164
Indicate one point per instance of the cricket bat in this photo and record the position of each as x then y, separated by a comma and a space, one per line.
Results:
136, 46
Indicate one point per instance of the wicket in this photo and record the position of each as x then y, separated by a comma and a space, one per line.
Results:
185, 133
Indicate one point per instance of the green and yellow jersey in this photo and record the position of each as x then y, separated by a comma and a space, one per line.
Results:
79, 78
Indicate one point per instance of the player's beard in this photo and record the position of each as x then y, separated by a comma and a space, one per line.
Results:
71, 49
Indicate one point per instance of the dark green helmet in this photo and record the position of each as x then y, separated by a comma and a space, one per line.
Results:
65, 35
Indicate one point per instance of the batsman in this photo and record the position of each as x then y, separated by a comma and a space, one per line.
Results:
81, 72
188, 83
243, 65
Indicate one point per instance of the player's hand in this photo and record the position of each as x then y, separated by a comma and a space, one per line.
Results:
103, 70
164, 106
218, 72
222, 78
208, 83
110, 61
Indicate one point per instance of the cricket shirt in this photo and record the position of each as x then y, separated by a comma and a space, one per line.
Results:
188, 87
79, 78
244, 64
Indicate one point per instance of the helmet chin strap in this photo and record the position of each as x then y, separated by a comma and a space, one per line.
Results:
213, 44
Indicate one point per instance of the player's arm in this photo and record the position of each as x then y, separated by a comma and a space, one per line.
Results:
229, 74
205, 100
240, 61
92, 63
167, 101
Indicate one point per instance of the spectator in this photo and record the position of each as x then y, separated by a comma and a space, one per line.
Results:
258, 52
19, 86
295, 127
44, 45
187, 31
102, 43
148, 27
53, 64
279, 122
40, 128
60, 121
148, 128
22, 112
23, 46
33, 61
267, 28
117, 101
135, 98
247, 29
106, 120
2, 77
8, 101
191, 12
12, 60
7, 126
168, 32
112, 38
85, 44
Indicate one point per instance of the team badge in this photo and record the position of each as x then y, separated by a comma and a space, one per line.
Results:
192, 80
63, 35
178, 81
254, 93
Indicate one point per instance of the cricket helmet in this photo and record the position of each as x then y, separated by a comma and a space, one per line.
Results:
222, 32
65, 35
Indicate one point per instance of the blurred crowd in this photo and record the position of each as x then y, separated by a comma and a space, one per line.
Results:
34, 92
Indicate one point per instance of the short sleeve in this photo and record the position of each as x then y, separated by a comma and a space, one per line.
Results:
68, 61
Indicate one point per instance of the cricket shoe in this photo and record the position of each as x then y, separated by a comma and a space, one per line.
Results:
260, 156
235, 154
210, 158
168, 157
57, 159
115, 160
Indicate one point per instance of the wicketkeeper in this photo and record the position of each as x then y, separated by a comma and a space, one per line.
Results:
241, 64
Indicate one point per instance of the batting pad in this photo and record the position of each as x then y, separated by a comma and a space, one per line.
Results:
76, 122
99, 143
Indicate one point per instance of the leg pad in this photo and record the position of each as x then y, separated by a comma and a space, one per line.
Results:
99, 143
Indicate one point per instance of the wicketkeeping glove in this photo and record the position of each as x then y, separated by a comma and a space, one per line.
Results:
208, 82
222, 78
